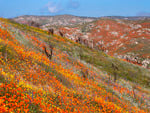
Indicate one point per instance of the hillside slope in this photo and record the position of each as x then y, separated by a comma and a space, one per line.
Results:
75, 79
59, 20
125, 39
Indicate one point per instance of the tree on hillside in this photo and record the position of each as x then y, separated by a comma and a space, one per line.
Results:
115, 68
48, 54
85, 73
51, 31
61, 34
34, 24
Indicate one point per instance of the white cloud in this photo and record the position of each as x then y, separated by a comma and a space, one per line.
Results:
53, 7
57, 6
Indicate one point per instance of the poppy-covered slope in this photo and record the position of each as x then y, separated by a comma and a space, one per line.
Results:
43, 73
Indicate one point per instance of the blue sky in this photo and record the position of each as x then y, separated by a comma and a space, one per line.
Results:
92, 8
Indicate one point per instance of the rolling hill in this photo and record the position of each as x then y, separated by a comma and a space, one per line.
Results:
127, 38
59, 20
45, 73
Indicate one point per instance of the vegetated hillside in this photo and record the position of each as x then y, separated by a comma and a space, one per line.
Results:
66, 20
58, 20
125, 39
74, 79
127, 18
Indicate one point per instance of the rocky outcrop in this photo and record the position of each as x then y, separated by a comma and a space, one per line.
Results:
136, 60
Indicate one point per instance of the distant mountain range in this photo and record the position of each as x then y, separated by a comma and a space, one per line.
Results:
128, 18
66, 20
54, 20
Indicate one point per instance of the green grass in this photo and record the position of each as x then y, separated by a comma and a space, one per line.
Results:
126, 70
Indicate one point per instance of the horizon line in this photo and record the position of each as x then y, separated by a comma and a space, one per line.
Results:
77, 16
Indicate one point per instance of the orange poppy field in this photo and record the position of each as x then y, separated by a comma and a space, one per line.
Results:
77, 79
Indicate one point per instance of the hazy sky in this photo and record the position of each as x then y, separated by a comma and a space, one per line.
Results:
95, 8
